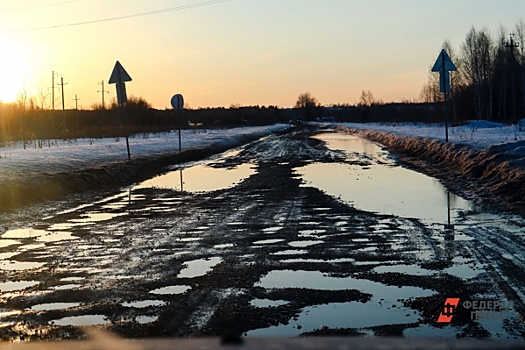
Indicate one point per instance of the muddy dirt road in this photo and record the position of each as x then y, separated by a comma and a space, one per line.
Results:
261, 251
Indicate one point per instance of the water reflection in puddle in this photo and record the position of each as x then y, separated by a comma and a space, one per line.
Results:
85, 320
291, 252
57, 236
269, 241
145, 303
199, 267
405, 269
351, 144
13, 265
388, 190
222, 246
200, 178
67, 286
339, 315
23, 233
171, 290
8, 242
268, 302
381, 188
145, 319
304, 243
272, 229
53, 306
384, 307
96, 217
318, 261
317, 280
18, 285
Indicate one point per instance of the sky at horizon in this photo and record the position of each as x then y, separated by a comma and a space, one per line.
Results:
246, 52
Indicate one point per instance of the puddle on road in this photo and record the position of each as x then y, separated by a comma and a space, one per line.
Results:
291, 252
145, 303
222, 246
319, 261
268, 302
386, 189
383, 309
351, 144
269, 241
24, 233
405, 269
8, 242
57, 236
199, 267
320, 281
200, 178
85, 320
17, 285
171, 290
303, 244
145, 319
339, 315
96, 217
67, 286
13, 265
54, 306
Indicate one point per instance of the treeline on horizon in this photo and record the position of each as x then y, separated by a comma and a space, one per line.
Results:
489, 84
36, 126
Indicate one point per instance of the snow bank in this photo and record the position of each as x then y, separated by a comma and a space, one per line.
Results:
494, 175
478, 134
64, 155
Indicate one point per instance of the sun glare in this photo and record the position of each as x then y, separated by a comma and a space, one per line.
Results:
14, 64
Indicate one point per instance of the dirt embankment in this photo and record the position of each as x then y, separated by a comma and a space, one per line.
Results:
26, 189
493, 177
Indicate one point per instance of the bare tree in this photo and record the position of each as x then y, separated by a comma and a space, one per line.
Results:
430, 92
520, 39
477, 64
501, 71
306, 100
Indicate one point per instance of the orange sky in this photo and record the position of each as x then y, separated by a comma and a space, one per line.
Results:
247, 52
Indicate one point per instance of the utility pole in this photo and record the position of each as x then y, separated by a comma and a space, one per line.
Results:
62, 87
76, 101
511, 45
103, 92
53, 89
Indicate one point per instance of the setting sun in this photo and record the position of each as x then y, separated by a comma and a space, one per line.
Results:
14, 63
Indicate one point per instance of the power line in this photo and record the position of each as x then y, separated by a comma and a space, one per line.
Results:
171, 9
39, 6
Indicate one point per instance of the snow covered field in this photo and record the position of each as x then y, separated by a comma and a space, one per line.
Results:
64, 155
478, 134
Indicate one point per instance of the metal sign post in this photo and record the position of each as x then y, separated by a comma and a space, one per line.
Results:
177, 102
444, 66
118, 77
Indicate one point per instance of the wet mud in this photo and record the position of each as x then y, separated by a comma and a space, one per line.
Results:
267, 256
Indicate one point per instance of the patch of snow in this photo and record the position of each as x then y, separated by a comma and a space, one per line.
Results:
63, 155
478, 134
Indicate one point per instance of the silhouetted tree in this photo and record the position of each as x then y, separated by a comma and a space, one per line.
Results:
309, 104
306, 100
477, 64
367, 99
